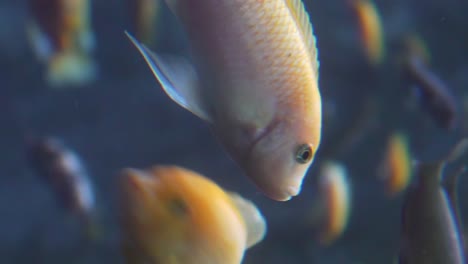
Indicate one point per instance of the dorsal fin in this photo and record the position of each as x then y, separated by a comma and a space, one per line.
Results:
300, 15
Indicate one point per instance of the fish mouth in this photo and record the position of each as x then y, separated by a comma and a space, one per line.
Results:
272, 191
283, 194
288, 194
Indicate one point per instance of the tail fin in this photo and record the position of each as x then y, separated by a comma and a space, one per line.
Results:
71, 68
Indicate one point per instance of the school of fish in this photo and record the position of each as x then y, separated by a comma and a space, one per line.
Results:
252, 75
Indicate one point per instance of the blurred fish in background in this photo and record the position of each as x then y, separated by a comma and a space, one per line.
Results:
414, 45
144, 16
371, 30
254, 79
396, 168
431, 229
173, 215
336, 196
392, 97
63, 171
434, 96
60, 34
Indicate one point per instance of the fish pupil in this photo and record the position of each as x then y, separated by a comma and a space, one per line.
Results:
304, 154
178, 207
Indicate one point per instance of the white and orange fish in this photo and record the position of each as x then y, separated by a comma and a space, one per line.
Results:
177, 216
61, 36
371, 30
336, 197
254, 79
396, 167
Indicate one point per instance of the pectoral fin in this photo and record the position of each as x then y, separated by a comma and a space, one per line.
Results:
177, 78
254, 220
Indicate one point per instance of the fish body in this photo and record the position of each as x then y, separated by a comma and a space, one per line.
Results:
254, 79
371, 29
173, 215
144, 14
336, 194
434, 96
430, 232
64, 172
397, 168
61, 36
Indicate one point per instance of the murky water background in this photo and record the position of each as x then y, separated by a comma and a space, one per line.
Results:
125, 120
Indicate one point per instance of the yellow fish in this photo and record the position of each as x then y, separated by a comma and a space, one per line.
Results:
173, 215
336, 194
396, 167
61, 36
254, 79
371, 29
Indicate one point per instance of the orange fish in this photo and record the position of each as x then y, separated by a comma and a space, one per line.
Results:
336, 195
176, 216
254, 79
60, 34
396, 167
371, 29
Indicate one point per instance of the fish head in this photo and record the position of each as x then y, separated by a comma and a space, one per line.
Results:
279, 159
151, 207
174, 215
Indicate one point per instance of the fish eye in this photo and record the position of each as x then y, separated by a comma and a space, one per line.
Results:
178, 207
304, 153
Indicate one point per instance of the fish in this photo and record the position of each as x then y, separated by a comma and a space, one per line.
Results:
253, 77
396, 168
335, 193
144, 14
60, 34
434, 95
171, 214
64, 172
415, 45
371, 29
429, 205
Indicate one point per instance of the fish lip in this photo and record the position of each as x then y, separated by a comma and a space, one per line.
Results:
290, 192
286, 194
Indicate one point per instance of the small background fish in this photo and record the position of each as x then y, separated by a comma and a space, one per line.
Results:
124, 119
